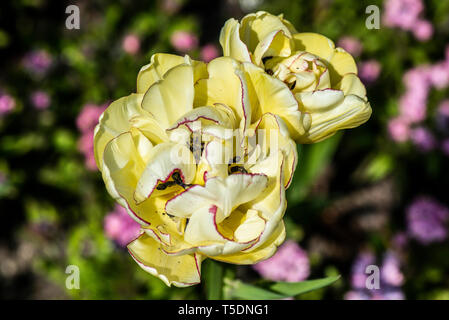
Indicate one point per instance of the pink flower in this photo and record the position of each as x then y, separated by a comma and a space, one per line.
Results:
369, 71
37, 62
184, 41
290, 263
412, 108
40, 100
439, 75
7, 104
418, 79
398, 129
402, 13
120, 227
423, 139
88, 117
131, 44
209, 52
351, 45
422, 30
86, 122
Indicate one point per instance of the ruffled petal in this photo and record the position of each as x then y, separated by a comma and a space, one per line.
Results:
230, 41
169, 99
156, 69
164, 160
181, 271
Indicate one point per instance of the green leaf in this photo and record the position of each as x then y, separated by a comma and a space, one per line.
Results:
296, 288
312, 160
245, 291
277, 290
213, 278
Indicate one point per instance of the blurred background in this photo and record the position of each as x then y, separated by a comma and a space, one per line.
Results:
377, 194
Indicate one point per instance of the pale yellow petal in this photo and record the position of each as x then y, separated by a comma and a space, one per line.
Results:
256, 26
316, 44
163, 161
155, 70
275, 97
340, 64
351, 84
170, 98
226, 85
230, 41
180, 271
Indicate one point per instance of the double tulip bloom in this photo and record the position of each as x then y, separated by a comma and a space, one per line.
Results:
202, 154
322, 78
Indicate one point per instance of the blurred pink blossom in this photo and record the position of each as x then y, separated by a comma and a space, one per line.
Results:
422, 30
290, 263
209, 52
351, 45
120, 227
86, 122
89, 115
131, 44
40, 100
37, 62
390, 271
369, 71
439, 75
412, 108
402, 13
184, 41
7, 104
423, 139
398, 129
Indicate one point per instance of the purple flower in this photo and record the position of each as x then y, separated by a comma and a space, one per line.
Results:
381, 294
37, 62
442, 116
391, 278
390, 271
184, 41
358, 275
426, 220
120, 227
40, 100
369, 71
423, 139
7, 104
290, 263
445, 147
400, 240
351, 45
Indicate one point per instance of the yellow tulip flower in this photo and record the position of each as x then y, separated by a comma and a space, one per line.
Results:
198, 159
322, 78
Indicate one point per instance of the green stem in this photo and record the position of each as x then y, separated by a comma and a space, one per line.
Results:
213, 279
